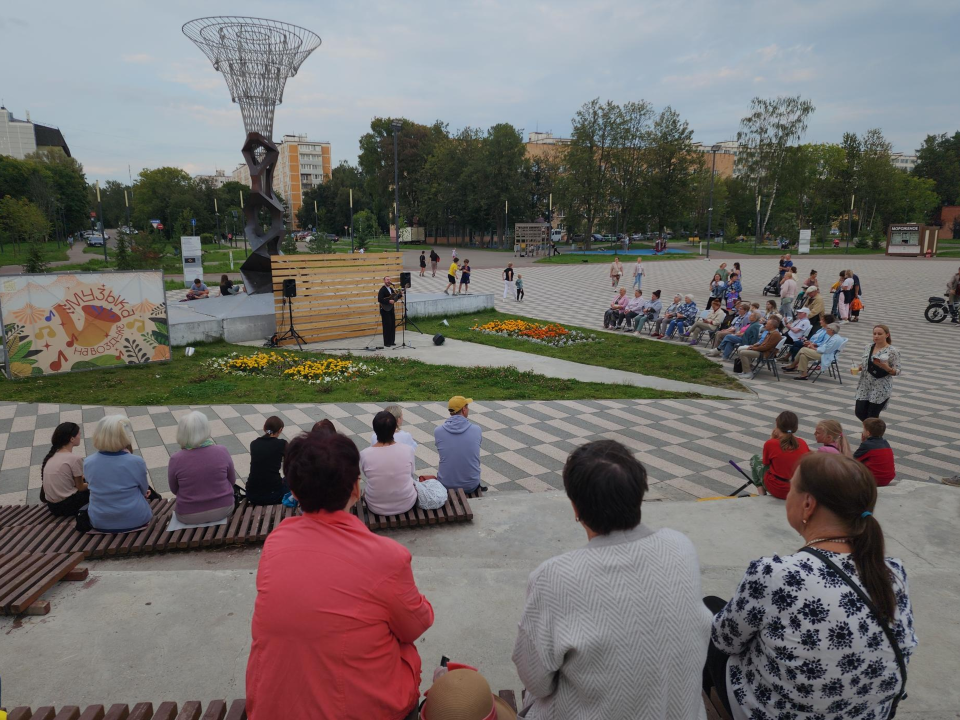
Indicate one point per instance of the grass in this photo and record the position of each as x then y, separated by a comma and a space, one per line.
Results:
615, 351
568, 259
186, 381
51, 253
746, 248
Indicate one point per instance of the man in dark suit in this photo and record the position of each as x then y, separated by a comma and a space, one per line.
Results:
387, 297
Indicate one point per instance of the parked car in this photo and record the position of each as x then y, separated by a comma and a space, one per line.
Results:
95, 240
596, 237
636, 237
329, 236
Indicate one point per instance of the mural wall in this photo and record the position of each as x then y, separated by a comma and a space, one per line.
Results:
58, 322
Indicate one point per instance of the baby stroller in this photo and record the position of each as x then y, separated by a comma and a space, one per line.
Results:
773, 287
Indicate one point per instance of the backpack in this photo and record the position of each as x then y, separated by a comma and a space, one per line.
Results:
737, 366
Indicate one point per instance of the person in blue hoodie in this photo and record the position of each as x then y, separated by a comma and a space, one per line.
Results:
458, 445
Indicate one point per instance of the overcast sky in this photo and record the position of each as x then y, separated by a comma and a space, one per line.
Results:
126, 87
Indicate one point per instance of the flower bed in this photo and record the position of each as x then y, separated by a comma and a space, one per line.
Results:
292, 366
544, 334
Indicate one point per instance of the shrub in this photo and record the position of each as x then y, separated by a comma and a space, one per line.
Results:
35, 262
207, 239
121, 255
289, 246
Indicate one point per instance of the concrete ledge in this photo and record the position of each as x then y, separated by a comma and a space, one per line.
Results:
421, 305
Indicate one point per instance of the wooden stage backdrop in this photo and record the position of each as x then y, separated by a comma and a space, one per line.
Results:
336, 294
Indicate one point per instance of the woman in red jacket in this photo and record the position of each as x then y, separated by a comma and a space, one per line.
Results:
337, 611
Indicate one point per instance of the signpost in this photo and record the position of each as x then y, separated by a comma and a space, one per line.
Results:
155, 223
803, 248
191, 258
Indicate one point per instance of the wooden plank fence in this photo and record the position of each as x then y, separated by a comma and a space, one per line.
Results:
336, 294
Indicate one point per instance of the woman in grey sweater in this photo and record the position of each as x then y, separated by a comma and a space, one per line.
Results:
617, 629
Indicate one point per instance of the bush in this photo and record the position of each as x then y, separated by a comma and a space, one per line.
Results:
121, 255
289, 246
877, 239
207, 239
35, 262
861, 242
320, 245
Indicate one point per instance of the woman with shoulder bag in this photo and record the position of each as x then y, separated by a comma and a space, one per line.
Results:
881, 361
824, 632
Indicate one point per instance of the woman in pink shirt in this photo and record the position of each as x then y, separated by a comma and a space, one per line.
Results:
389, 468
337, 611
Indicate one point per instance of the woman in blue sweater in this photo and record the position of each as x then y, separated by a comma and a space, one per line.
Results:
119, 488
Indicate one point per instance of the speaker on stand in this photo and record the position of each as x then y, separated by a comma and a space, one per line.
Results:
289, 293
406, 280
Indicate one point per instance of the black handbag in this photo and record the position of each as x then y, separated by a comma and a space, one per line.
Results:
877, 372
737, 366
865, 599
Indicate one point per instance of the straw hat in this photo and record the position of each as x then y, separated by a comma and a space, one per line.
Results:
464, 695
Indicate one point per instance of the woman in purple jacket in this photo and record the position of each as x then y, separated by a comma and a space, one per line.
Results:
201, 475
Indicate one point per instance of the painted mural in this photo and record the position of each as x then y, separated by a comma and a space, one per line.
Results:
55, 323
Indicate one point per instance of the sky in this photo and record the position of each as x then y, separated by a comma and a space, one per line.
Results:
128, 89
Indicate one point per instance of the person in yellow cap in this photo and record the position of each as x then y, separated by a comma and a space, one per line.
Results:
464, 694
458, 445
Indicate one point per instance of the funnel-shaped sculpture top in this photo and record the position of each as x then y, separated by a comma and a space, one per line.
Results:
256, 57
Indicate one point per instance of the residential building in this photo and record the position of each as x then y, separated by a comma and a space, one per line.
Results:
726, 157
902, 161
303, 165
949, 215
19, 138
241, 174
217, 180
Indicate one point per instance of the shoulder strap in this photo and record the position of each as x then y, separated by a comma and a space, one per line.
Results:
901, 663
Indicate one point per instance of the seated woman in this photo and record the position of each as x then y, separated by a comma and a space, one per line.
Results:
201, 475
810, 638
63, 488
734, 288
781, 453
390, 469
829, 433
338, 612
401, 436
710, 322
117, 479
227, 287
685, 317
265, 486
324, 426
574, 656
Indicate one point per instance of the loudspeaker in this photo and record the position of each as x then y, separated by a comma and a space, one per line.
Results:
438, 339
290, 288
405, 279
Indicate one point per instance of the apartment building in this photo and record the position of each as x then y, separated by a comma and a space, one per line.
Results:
19, 138
303, 165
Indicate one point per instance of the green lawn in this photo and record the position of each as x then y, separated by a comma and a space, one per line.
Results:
186, 381
615, 351
11, 255
746, 248
571, 259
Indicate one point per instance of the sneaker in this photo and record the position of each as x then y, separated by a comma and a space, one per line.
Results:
692, 342
954, 480
746, 376
954, 320
446, 292
713, 353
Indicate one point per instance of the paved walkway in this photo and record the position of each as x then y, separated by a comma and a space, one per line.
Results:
685, 444
74, 255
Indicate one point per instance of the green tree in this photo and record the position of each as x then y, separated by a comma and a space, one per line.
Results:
165, 194
21, 221
121, 255
35, 262
587, 183
499, 175
938, 159
366, 228
772, 126
631, 143
672, 166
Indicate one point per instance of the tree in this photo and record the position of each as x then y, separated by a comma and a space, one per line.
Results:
35, 262
672, 165
21, 221
366, 228
586, 186
628, 157
499, 176
121, 255
165, 194
764, 136
938, 159
332, 200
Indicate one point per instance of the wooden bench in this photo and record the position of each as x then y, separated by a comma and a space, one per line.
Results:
49, 534
455, 510
24, 577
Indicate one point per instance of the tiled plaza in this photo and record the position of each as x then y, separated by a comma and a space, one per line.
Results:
685, 444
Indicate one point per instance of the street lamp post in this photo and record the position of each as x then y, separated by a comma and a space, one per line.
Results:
756, 238
351, 220
506, 220
103, 231
216, 211
850, 223
396, 125
713, 175
126, 201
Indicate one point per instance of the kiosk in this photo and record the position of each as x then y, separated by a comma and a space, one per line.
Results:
912, 240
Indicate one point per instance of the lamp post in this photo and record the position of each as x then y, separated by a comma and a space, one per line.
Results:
216, 211
351, 220
850, 223
713, 175
126, 202
756, 238
246, 249
103, 232
396, 125
316, 218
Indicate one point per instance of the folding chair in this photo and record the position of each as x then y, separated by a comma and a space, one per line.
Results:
770, 362
833, 369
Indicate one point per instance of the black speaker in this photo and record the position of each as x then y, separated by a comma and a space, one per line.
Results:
438, 339
290, 288
405, 279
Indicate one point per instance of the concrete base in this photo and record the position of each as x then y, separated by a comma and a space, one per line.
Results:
177, 626
438, 304
250, 318
237, 318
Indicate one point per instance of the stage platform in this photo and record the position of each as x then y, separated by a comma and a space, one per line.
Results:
242, 318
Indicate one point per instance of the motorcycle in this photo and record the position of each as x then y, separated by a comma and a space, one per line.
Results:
938, 310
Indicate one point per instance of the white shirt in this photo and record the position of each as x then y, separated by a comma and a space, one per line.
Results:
400, 436
634, 304
799, 329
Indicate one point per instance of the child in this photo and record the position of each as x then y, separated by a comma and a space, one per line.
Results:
829, 433
465, 277
875, 452
519, 287
773, 469
423, 262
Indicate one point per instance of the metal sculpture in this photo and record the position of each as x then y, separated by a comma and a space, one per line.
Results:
256, 57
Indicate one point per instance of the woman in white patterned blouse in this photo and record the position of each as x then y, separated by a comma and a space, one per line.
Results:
874, 392
797, 640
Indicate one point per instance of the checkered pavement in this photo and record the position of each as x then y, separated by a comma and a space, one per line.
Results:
685, 444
